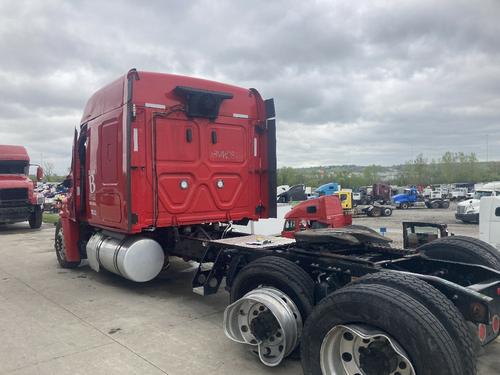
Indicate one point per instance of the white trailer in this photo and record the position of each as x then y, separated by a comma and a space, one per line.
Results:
489, 221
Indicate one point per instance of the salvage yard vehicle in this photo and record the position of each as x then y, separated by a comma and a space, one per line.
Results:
377, 193
412, 198
409, 198
294, 193
374, 209
437, 200
468, 211
327, 189
323, 212
328, 211
163, 165
18, 200
458, 194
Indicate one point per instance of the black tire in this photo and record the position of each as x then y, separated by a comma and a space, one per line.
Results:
429, 345
60, 248
475, 242
279, 273
439, 305
387, 211
434, 204
376, 212
404, 206
35, 219
462, 250
445, 204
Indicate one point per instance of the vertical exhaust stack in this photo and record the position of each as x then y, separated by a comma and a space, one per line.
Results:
137, 259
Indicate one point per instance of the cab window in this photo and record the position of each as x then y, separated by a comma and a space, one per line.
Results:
290, 225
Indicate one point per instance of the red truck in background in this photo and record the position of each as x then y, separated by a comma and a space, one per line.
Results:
18, 200
163, 165
323, 212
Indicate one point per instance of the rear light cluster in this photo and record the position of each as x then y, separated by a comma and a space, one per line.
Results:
482, 332
495, 324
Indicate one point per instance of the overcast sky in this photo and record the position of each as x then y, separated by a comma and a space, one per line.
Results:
357, 82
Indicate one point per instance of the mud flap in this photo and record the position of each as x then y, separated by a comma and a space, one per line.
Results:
71, 232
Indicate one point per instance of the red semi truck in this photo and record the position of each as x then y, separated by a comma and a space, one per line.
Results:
322, 212
163, 165
18, 200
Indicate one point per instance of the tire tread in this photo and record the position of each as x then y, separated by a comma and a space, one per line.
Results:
464, 244
395, 301
439, 305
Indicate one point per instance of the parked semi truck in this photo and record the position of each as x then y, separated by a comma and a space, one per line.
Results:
374, 209
163, 165
329, 211
412, 198
323, 212
468, 210
294, 193
18, 200
377, 193
327, 189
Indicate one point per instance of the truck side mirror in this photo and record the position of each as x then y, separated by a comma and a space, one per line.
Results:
39, 173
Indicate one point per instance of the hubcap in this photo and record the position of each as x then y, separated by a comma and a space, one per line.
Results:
357, 350
266, 318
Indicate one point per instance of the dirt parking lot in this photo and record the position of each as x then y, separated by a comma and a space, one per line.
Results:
57, 321
394, 226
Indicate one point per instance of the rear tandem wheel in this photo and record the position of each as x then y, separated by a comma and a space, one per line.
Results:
462, 249
378, 327
271, 297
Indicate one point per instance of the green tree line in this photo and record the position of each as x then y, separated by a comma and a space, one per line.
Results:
449, 168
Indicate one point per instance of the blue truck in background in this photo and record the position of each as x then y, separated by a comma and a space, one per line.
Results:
327, 189
411, 197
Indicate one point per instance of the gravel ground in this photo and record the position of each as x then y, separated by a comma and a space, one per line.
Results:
394, 226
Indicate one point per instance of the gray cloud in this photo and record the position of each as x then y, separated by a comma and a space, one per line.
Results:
354, 82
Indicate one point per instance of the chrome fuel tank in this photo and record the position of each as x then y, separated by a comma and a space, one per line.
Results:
138, 259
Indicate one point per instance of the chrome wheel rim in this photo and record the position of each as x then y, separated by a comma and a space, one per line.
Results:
267, 318
362, 350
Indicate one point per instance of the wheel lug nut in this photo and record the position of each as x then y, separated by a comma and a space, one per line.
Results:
347, 357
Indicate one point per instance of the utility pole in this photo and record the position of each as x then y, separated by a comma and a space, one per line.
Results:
487, 148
